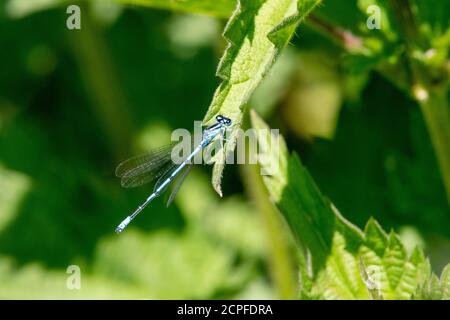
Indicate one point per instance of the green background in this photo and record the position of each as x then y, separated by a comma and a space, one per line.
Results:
73, 104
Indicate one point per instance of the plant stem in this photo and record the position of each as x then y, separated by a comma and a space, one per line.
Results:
435, 110
281, 266
432, 97
102, 83
344, 38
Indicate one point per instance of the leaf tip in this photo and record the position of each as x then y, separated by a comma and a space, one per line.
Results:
218, 189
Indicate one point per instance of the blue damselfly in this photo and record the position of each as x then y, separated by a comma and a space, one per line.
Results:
158, 165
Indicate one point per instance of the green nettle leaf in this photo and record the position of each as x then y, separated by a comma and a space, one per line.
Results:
395, 275
376, 238
341, 278
445, 283
371, 285
430, 290
217, 8
434, 288
312, 218
256, 33
347, 263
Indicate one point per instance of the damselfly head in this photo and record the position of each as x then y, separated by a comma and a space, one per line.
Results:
223, 120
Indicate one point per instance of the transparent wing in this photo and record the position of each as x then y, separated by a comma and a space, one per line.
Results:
143, 163
165, 174
147, 176
178, 183
143, 169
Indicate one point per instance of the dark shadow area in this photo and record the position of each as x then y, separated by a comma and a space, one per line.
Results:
381, 163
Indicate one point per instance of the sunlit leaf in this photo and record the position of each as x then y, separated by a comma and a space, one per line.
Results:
256, 33
347, 263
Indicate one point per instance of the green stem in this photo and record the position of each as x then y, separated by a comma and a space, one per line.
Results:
435, 110
432, 97
102, 83
281, 266
342, 37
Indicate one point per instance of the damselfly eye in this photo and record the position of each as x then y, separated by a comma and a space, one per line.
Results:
223, 120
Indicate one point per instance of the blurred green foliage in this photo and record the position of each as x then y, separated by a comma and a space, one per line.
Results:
75, 103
